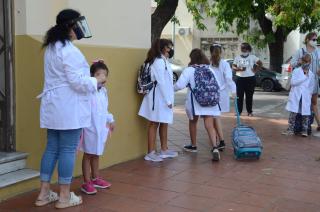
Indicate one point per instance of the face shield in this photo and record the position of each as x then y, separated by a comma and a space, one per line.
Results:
81, 28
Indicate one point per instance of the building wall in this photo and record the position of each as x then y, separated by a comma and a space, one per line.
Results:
123, 55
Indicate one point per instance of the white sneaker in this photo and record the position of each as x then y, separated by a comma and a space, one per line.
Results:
215, 154
168, 154
152, 156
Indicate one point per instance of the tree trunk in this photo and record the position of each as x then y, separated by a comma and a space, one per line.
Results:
276, 51
161, 16
276, 47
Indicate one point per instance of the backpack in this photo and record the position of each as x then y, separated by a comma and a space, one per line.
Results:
144, 83
206, 90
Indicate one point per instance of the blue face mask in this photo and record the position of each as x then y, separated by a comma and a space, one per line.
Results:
305, 66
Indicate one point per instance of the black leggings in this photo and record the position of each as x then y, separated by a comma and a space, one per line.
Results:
245, 85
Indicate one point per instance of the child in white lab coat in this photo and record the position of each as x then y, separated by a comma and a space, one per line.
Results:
302, 83
223, 72
193, 108
95, 136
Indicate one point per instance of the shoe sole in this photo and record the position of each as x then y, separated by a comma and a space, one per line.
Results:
190, 150
149, 159
215, 156
86, 192
168, 156
221, 148
97, 186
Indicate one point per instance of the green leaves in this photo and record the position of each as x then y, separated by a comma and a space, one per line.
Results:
286, 15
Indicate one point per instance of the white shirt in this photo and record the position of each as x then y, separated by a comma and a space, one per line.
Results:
187, 77
65, 100
246, 62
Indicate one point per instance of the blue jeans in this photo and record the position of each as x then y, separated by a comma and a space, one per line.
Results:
61, 146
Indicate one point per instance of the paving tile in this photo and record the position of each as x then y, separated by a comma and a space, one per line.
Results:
234, 207
126, 204
251, 199
169, 208
212, 192
192, 202
287, 205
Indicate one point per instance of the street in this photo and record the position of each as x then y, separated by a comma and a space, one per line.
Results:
266, 104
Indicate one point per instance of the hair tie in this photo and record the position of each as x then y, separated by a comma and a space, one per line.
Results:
98, 61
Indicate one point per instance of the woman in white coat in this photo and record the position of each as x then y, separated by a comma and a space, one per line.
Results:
223, 72
157, 105
302, 84
193, 108
65, 106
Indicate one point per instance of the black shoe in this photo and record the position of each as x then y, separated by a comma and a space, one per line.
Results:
215, 154
190, 148
221, 146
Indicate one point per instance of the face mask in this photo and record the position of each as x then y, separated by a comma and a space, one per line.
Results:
245, 54
313, 43
305, 66
171, 53
81, 28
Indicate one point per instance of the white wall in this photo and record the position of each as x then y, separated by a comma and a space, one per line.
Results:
119, 23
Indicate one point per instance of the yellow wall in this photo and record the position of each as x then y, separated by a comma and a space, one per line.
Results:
129, 139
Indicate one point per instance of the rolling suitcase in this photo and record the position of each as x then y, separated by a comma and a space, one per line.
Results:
245, 141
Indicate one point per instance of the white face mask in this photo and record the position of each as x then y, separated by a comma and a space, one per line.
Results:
245, 54
313, 43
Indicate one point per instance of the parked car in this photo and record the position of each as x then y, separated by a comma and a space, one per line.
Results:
266, 79
177, 69
286, 71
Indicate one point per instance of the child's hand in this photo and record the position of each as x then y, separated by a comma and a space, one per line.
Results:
111, 126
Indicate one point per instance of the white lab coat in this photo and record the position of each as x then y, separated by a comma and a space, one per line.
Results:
95, 136
185, 78
223, 74
301, 87
65, 101
164, 95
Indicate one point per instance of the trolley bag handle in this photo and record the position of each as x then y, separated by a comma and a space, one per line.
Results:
237, 110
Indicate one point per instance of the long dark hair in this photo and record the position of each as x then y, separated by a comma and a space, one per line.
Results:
197, 57
156, 49
61, 31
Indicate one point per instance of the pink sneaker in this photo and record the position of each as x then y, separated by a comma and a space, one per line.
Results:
88, 188
100, 183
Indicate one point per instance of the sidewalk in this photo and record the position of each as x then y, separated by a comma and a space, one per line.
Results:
286, 178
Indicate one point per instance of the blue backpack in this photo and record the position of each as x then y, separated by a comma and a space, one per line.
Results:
206, 90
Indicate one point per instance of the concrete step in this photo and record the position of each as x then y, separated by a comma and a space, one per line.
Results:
17, 176
12, 161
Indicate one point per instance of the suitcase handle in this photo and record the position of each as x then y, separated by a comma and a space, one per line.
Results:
237, 111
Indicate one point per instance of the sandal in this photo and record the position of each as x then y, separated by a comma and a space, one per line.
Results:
73, 201
52, 197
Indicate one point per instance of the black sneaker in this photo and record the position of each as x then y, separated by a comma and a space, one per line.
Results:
221, 146
215, 154
190, 148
